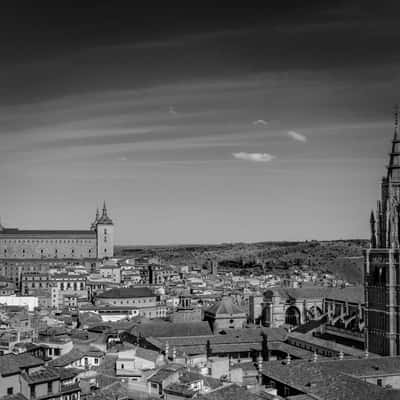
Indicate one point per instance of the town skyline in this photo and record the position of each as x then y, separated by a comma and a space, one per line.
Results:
257, 125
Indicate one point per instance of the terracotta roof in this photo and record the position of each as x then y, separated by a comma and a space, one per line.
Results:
74, 355
16, 396
125, 293
25, 232
315, 378
327, 344
229, 392
45, 374
11, 364
168, 329
164, 372
225, 306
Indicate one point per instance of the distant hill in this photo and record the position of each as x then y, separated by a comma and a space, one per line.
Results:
342, 258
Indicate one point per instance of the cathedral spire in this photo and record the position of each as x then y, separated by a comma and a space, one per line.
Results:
394, 160
373, 229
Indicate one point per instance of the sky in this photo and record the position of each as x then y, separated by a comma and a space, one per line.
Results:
197, 125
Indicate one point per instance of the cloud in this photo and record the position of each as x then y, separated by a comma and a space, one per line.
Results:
172, 111
260, 122
297, 136
255, 157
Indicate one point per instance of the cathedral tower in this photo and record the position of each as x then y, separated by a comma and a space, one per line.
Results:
105, 235
382, 262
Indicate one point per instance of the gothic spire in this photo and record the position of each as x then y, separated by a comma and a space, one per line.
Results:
97, 214
373, 229
394, 160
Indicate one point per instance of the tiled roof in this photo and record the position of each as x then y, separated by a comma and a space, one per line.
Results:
66, 359
11, 364
74, 355
315, 378
189, 376
247, 339
124, 293
25, 232
147, 354
164, 372
225, 306
229, 392
336, 347
16, 396
45, 374
365, 367
180, 390
169, 329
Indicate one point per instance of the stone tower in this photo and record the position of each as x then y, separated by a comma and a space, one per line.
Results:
382, 262
105, 235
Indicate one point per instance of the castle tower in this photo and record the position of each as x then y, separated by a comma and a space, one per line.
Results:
382, 262
105, 235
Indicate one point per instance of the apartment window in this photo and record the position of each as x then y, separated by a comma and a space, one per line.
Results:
96, 360
379, 382
10, 390
50, 387
57, 352
122, 366
32, 391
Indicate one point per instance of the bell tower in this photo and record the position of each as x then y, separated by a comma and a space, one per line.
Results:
105, 235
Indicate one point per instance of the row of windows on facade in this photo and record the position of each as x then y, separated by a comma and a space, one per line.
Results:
47, 241
134, 301
23, 252
74, 286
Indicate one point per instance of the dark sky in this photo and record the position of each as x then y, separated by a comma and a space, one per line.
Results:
197, 124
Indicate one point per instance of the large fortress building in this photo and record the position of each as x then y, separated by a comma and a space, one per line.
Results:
382, 263
92, 244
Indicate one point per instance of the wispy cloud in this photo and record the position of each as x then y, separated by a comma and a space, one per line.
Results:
172, 111
260, 122
255, 157
297, 136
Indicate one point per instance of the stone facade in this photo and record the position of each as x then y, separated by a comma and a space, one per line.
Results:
94, 243
382, 263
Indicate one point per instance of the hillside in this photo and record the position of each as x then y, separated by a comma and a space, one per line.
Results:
342, 257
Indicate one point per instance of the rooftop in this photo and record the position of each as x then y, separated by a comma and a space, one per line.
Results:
322, 381
11, 364
46, 233
45, 374
225, 306
168, 329
126, 293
